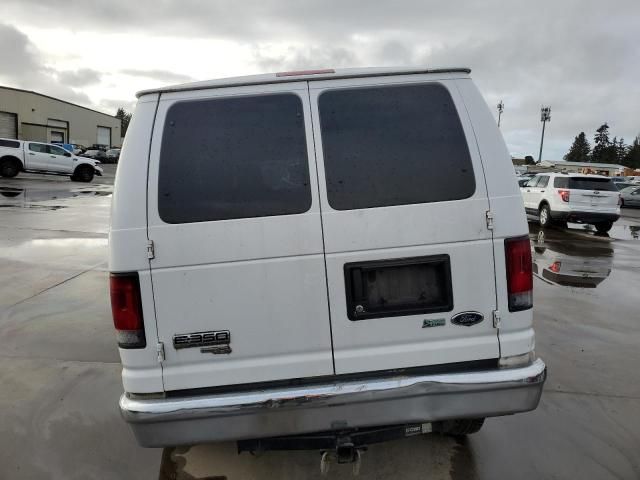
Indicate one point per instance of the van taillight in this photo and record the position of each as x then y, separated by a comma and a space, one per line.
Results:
519, 273
126, 307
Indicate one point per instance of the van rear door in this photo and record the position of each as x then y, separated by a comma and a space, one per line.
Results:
409, 253
238, 270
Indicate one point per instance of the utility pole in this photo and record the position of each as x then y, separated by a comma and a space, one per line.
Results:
545, 116
500, 110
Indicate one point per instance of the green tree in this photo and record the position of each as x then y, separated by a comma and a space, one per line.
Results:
632, 155
603, 150
125, 118
580, 149
621, 150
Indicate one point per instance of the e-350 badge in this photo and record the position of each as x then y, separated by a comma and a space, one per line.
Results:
216, 342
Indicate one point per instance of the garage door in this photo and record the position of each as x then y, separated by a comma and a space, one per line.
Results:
8, 125
104, 136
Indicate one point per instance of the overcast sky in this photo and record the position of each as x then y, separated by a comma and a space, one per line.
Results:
581, 57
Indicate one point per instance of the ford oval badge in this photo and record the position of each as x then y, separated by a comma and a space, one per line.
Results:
467, 319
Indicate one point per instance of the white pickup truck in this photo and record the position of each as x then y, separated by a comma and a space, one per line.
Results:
18, 155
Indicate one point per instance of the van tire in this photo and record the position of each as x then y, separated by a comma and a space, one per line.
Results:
461, 427
603, 227
9, 167
84, 173
544, 216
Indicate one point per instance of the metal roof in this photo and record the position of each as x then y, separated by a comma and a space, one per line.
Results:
560, 163
56, 99
329, 74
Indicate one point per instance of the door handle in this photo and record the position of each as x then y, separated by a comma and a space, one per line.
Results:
31, 153
541, 191
53, 156
528, 190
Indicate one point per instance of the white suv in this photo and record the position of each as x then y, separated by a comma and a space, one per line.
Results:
324, 251
560, 198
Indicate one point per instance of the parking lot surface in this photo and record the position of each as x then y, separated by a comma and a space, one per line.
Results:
60, 372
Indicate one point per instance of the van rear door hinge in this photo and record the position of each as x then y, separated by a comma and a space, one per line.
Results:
160, 351
151, 250
489, 220
496, 319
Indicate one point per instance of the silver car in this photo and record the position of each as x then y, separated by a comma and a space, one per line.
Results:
630, 196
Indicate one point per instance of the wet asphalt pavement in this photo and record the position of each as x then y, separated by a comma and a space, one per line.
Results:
59, 369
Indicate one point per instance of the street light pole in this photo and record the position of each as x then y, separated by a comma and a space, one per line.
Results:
545, 116
500, 110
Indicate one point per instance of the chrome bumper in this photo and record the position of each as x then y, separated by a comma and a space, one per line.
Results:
335, 406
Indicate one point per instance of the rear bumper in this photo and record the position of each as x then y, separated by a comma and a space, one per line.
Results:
336, 406
585, 217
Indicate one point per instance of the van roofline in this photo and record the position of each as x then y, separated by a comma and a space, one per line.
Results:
309, 75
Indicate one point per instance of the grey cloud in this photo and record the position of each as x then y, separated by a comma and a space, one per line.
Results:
22, 66
303, 58
112, 105
579, 56
160, 75
79, 78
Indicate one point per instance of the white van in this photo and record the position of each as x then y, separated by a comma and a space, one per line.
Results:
319, 251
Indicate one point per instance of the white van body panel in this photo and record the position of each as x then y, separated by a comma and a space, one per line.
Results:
263, 279
457, 228
141, 373
516, 328
319, 309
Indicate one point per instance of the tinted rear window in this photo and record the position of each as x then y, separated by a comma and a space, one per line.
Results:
561, 182
585, 183
393, 145
9, 143
233, 158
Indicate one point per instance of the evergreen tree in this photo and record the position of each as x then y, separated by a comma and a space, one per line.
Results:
632, 156
580, 150
125, 118
621, 150
603, 149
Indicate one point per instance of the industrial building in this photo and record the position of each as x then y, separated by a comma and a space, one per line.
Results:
28, 115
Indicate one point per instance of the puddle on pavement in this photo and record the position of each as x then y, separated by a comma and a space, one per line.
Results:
57, 249
617, 232
560, 260
35, 207
11, 197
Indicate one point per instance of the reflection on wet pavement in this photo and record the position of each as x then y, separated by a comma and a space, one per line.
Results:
570, 264
619, 231
25, 197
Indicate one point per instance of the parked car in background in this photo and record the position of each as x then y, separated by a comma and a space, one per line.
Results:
566, 197
630, 196
296, 177
95, 154
67, 146
78, 149
113, 154
622, 185
17, 156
